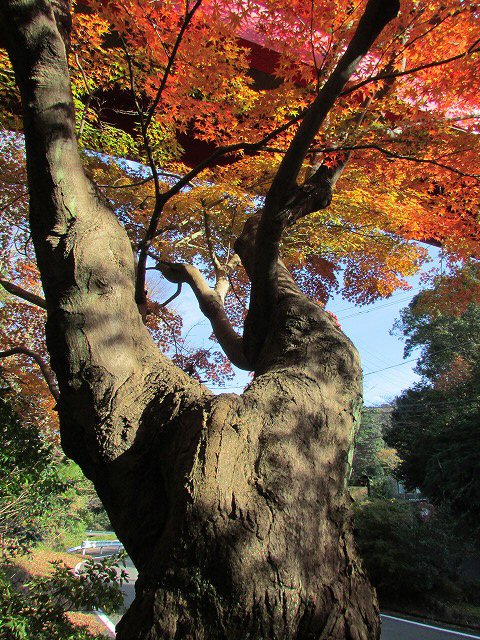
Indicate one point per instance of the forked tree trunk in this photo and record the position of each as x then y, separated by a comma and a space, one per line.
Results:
234, 508
257, 540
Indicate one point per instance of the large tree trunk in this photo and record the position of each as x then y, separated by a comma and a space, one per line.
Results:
234, 508
257, 541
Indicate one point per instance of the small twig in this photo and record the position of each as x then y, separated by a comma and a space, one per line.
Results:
172, 297
312, 45
141, 115
208, 236
398, 156
171, 59
89, 98
249, 147
140, 295
162, 174
12, 201
234, 291
387, 152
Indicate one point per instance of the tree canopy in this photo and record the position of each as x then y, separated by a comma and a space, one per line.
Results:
183, 91
372, 458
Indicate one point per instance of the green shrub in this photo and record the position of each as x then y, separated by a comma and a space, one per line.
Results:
37, 609
408, 559
30, 485
43, 496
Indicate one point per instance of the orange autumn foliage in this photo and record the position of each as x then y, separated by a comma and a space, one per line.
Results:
201, 75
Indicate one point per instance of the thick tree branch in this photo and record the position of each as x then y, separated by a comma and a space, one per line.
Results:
316, 192
44, 368
211, 305
245, 248
377, 15
15, 290
249, 147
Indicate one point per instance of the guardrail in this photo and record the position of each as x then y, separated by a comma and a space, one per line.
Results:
97, 544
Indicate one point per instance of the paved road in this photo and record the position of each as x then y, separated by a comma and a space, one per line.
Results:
394, 628
128, 589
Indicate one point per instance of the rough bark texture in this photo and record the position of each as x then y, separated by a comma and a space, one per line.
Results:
260, 546
234, 508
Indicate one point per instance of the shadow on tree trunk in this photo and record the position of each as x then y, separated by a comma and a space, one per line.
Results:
255, 539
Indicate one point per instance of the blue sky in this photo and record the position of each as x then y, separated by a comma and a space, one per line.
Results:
386, 373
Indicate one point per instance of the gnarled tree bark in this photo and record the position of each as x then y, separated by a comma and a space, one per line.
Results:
234, 508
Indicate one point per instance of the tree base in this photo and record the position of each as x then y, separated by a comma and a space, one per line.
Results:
259, 547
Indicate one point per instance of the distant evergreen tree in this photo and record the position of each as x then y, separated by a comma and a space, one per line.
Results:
436, 423
373, 459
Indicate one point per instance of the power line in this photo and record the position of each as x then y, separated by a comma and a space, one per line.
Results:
460, 344
238, 386
379, 308
391, 298
400, 376
390, 367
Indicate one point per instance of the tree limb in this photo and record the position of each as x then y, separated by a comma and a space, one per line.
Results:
211, 305
102, 354
173, 296
44, 368
316, 192
474, 48
398, 156
162, 199
15, 290
377, 15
